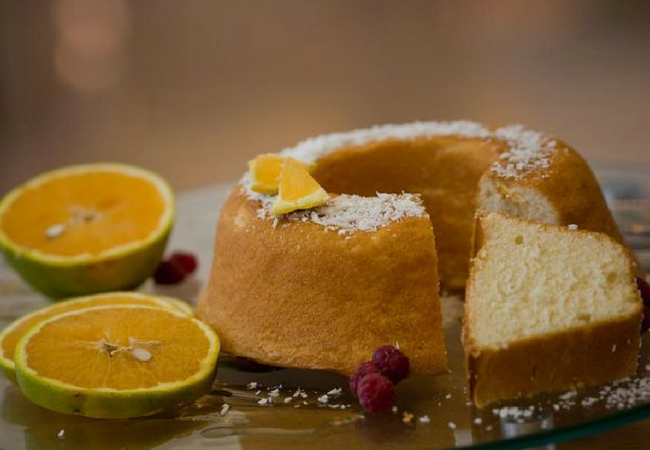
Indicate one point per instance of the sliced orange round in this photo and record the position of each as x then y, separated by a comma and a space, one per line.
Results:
297, 189
86, 229
10, 336
117, 361
179, 304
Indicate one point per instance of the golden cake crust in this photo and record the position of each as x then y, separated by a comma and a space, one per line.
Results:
297, 295
284, 295
556, 362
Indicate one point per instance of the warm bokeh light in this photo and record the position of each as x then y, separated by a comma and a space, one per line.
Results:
91, 38
194, 89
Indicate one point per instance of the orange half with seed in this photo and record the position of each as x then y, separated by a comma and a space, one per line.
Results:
117, 361
86, 229
10, 335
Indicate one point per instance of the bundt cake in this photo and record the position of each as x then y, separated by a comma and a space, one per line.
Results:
547, 308
322, 288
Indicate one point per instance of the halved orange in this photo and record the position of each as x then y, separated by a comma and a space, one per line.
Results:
179, 304
10, 336
117, 361
87, 229
297, 189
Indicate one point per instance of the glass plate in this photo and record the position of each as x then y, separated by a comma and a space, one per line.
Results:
433, 412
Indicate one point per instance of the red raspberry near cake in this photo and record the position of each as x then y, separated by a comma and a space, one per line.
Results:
392, 363
169, 272
186, 260
376, 393
176, 268
364, 369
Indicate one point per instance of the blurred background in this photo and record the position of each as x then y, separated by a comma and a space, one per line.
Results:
193, 89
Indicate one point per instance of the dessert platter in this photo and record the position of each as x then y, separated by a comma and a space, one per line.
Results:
497, 275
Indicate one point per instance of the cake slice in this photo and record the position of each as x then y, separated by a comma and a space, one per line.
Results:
548, 308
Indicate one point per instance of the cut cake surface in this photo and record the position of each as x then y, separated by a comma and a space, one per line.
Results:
547, 308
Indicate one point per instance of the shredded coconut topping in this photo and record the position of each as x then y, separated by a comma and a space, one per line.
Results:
526, 150
313, 148
348, 213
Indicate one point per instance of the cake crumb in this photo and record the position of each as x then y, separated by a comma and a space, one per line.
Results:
335, 391
568, 395
452, 425
407, 417
424, 419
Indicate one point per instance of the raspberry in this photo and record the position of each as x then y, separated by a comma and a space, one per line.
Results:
169, 272
392, 363
376, 393
176, 268
186, 260
363, 370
